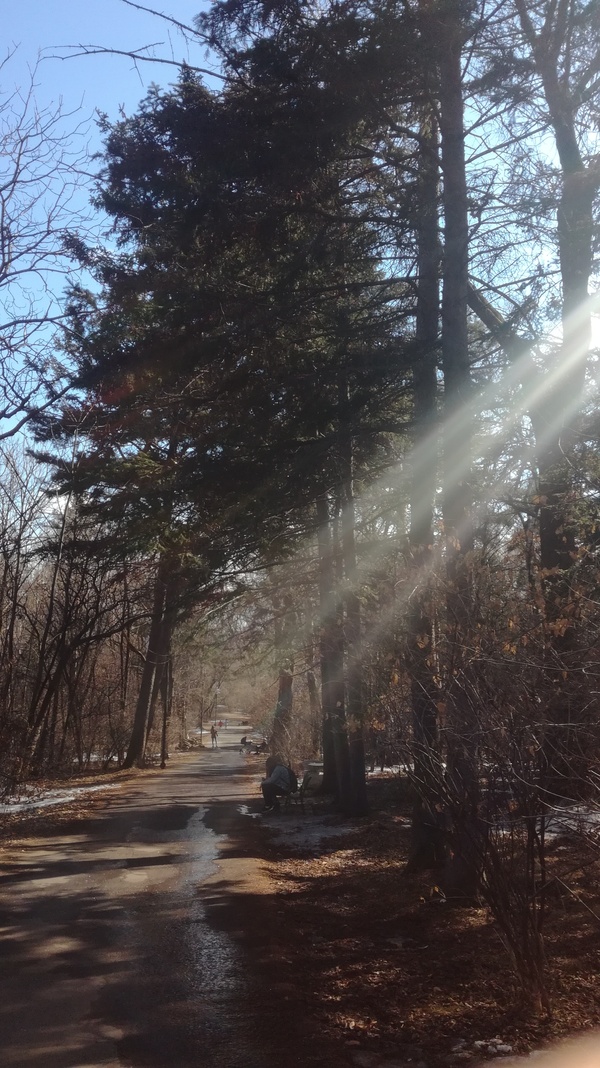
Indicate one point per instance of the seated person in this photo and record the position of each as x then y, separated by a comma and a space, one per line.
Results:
277, 784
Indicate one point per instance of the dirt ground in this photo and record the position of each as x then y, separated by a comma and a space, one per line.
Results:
378, 969
388, 970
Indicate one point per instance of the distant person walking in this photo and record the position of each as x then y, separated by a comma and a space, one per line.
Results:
214, 734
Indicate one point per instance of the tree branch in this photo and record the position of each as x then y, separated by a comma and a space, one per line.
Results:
135, 55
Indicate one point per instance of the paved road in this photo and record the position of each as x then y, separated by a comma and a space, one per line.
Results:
111, 955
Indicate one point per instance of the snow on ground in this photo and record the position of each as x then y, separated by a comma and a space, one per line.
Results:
48, 797
575, 819
304, 833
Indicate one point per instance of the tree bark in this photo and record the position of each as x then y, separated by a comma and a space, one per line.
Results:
135, 751
315, 712
167, 700
426, 846
340, 725
461, 871
354, 688
330, 654
279, 742
559, 407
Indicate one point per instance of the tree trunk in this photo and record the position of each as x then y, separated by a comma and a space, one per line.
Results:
315, 712
559, 406
354, 698
167, 701
339, 724
336, 754
426, 844
135, 751
280, 738
461, 874
163, 655
330, 669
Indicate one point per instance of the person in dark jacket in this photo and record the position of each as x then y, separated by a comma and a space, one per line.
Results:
277, 783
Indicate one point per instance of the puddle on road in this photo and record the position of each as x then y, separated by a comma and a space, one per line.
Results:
216, 972
215, 967
245, 811
203, 863
213, 957
188, 1002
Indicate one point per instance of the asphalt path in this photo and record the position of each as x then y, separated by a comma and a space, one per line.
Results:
112, 950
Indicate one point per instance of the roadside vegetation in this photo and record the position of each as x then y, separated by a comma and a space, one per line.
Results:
394, 973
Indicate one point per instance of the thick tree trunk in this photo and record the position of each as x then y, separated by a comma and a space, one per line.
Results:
354, 688
341, 747
316, 714
167, 702
163, 657
280, 738
330, 652
559, 406
558, 415
285, 628
135, 751
426, 844
462, 727
558, 409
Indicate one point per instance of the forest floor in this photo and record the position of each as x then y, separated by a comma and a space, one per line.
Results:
380, 967
389, 969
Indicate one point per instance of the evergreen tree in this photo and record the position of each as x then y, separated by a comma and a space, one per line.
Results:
203, 355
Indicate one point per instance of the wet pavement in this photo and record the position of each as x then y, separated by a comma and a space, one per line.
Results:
113, 953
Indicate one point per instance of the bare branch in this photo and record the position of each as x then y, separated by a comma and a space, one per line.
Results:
136, 55
41, 177
185, 30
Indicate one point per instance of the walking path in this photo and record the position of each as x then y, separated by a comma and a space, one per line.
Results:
120, 932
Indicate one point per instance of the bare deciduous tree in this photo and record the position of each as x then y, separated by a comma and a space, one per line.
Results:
42, 171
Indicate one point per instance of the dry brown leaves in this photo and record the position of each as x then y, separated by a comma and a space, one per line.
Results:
384, 964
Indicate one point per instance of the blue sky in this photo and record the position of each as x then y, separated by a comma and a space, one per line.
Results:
81, 86
104, 82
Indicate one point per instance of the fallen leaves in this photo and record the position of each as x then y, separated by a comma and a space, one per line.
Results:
384, 966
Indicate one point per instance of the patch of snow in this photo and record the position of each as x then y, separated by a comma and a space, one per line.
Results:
305, 834
575, 818
389, 769
245, 811
51, 797
491, 1047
